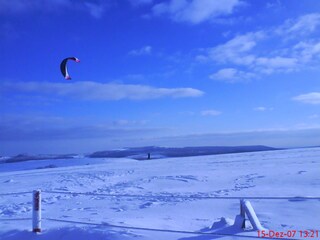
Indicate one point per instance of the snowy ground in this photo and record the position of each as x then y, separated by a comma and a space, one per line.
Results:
273, 173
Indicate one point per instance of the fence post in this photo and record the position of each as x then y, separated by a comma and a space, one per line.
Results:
242, 214
36, 212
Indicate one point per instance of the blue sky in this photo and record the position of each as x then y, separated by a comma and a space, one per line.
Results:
152, 72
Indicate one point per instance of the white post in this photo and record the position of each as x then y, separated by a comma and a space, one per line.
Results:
252, 216
242, 214
36, 213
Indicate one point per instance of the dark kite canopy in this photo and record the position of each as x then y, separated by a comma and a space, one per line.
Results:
63, 66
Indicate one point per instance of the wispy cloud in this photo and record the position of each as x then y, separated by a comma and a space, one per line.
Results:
310, 98
240, 51
307, 50
98, 91
195, 11
51, 133
210, 112
232, 75
35, 127
237, 50
297, 137
140, 2
313, 116
277, 62
263, 109
19, 6
95, 9
265, 52
129, 123
145, 50
303, 25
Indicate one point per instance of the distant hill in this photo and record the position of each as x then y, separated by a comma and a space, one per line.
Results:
141, 153
26, 157
162, 152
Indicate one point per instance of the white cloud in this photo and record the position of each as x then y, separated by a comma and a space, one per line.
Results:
236, 50
210, 113
231, 75
307, 51
262, 109
95, 9
313, 116
271, 64
140, 2
310, 98
128, 123
268, 137
195, 11
33, 127
274, 5
99, 91
264, 52
14, 6
240, 51
303, 25
145, 50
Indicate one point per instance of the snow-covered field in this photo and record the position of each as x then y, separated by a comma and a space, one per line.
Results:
274, 173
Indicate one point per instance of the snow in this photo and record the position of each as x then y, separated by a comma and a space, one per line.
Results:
257, 174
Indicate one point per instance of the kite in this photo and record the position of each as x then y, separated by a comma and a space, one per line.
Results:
64, 69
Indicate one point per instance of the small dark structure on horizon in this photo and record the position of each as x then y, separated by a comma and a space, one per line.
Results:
149, 155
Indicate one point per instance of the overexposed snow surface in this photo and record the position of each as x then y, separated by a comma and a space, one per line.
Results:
261, 174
